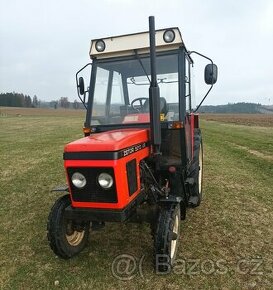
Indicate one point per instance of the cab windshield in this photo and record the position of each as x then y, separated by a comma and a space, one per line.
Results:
121, 92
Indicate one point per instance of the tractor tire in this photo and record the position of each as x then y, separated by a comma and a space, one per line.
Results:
66, 237
197, 169
166, 237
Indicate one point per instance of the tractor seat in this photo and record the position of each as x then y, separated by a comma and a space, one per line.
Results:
163, 106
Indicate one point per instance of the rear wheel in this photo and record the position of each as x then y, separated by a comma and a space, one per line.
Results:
166, 237
66, 237
197, 170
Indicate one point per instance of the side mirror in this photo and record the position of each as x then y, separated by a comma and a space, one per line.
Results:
211, 73
81, 86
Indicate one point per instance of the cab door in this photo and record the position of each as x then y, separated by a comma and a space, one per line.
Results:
189, 118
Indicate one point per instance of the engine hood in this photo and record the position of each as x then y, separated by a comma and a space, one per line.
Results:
114, 140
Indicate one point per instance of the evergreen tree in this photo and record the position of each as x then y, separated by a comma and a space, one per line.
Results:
35, 101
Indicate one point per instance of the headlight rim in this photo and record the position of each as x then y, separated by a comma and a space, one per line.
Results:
83, 179
103, 45
164, 35
111, 183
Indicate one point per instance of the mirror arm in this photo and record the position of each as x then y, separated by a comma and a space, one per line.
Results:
82, 100
203, 99
202, 55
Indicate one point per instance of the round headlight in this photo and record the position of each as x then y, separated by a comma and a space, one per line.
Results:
105, 180
100, 45
169, 35
78, 180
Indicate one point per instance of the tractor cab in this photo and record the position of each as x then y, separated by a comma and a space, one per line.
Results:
118, 93
141, 157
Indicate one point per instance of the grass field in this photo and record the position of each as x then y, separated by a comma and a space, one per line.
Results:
226, 243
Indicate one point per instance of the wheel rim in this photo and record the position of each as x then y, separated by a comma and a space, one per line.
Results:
73, 237
174, 241
200, 169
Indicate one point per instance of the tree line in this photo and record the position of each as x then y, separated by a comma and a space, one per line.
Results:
63, 102
20, 100
232, 108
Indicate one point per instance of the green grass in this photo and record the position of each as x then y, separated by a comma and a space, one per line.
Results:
234, 222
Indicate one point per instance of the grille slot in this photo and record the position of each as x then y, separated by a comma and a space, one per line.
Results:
131, 176
92, 192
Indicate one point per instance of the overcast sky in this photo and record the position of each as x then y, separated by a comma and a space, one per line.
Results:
43, 43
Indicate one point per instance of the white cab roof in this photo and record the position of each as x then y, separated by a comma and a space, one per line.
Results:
126, 44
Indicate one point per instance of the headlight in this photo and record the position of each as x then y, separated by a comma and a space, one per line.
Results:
105, 180
100, 45
78, 180
169, 35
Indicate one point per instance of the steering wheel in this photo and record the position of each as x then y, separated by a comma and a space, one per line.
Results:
140, 107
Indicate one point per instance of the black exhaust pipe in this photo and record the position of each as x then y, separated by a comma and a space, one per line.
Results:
154, 94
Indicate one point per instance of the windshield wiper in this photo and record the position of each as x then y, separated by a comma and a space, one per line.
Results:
138, 58
163, 81
160, 81
133, 82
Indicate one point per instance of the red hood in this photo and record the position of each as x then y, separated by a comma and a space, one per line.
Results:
109, 141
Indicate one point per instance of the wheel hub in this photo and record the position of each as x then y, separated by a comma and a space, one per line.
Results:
73, 236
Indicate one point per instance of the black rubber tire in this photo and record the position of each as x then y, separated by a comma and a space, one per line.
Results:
57, 231
168, 218
197, 167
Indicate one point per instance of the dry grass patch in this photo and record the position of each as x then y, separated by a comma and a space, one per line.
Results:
263, 120
21, 112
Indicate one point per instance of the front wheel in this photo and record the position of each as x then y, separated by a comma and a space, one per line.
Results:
166, 237
66, 237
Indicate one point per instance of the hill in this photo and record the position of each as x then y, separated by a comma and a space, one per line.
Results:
244, 108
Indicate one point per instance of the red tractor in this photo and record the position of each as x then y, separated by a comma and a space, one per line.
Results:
141, 159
